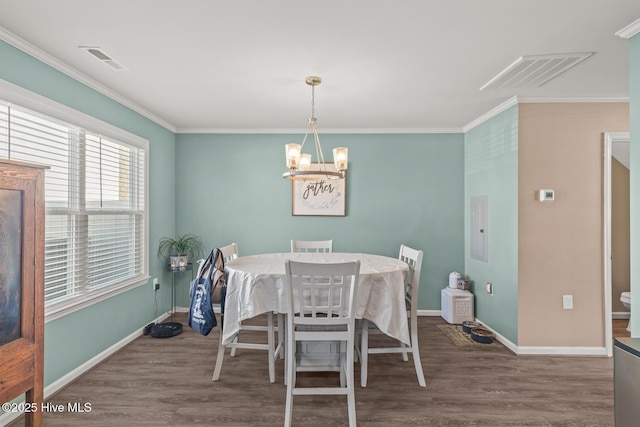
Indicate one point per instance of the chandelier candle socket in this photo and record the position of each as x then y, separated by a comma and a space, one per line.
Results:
299, 164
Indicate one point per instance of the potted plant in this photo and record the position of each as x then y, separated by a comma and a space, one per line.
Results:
180, 249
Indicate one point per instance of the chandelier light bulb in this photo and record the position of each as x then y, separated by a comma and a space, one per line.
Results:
340, 158
292, 152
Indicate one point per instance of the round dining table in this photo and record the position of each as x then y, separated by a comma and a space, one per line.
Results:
256, 285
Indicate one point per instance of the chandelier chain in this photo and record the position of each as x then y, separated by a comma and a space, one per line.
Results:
313, 103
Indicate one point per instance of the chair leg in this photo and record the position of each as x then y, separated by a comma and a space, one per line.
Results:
342, 361
351, 398
286, 354
281, 335
364, 352
416, 356
271, 348
290, 382
356, 355
219, 359
404, 352
233, 348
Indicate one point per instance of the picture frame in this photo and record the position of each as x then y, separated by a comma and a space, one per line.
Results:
319, 198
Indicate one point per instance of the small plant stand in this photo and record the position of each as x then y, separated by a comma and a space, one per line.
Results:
171, 328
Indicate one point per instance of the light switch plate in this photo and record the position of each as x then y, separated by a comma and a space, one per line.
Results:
546, 195
490, 288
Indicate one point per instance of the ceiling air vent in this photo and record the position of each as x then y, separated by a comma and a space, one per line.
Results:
103, 57
536, 70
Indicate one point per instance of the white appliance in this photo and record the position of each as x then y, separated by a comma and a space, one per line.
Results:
455, 278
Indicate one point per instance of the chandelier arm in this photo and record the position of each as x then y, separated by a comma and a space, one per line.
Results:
304, 140
319, 153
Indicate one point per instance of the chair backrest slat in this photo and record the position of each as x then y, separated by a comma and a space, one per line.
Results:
229, 252
413, 257
311, 245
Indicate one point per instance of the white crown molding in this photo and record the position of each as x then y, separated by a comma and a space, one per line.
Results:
532, 100
569, 99
340, 131
40, 55
630, 30
490, 114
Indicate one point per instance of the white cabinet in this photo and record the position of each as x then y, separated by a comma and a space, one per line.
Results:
456, 305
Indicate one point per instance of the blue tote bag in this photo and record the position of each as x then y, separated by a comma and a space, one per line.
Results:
201, 315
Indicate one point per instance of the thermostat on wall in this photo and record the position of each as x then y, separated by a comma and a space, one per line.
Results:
546, 195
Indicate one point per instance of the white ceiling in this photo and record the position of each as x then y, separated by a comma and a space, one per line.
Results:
410, 65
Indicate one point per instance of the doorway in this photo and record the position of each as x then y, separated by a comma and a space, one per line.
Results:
616, 148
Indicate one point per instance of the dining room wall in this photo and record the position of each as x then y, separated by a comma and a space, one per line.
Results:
491, 169
401, 188
76, 338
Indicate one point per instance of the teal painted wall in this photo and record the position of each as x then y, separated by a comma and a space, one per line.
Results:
400, 189
491, 169
76, 338
634, 179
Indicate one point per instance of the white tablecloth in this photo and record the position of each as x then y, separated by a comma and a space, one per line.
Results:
255, 285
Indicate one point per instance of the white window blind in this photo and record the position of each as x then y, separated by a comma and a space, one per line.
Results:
94, 201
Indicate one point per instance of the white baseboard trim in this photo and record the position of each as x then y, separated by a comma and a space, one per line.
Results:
63, 381
500, 338
55, 386
547, 350
433, 313
563, 351
620, 315
524, 350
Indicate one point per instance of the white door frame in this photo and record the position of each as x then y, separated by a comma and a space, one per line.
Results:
609, 139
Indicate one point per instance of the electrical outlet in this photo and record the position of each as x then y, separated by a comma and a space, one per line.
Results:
567, 302
156, 284
490, 288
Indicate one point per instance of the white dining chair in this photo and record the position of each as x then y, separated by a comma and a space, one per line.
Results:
311, 245
321, 307
413, 258
229, 253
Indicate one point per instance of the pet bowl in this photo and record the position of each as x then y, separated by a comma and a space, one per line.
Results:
482, 335
467, 325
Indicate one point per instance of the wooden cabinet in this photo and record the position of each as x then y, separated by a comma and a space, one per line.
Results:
22, 285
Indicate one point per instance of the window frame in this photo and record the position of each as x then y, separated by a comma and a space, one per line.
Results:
24, 98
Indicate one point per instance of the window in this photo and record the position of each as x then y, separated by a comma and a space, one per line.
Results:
95, 197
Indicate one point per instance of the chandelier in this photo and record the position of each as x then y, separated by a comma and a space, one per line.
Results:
299, 164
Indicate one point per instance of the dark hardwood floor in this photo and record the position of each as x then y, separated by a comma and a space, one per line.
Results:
167, 382
620, 328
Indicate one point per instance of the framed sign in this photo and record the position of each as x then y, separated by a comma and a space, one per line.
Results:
319, 198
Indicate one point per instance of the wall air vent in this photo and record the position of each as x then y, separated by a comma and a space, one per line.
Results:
103, 57
534, 71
